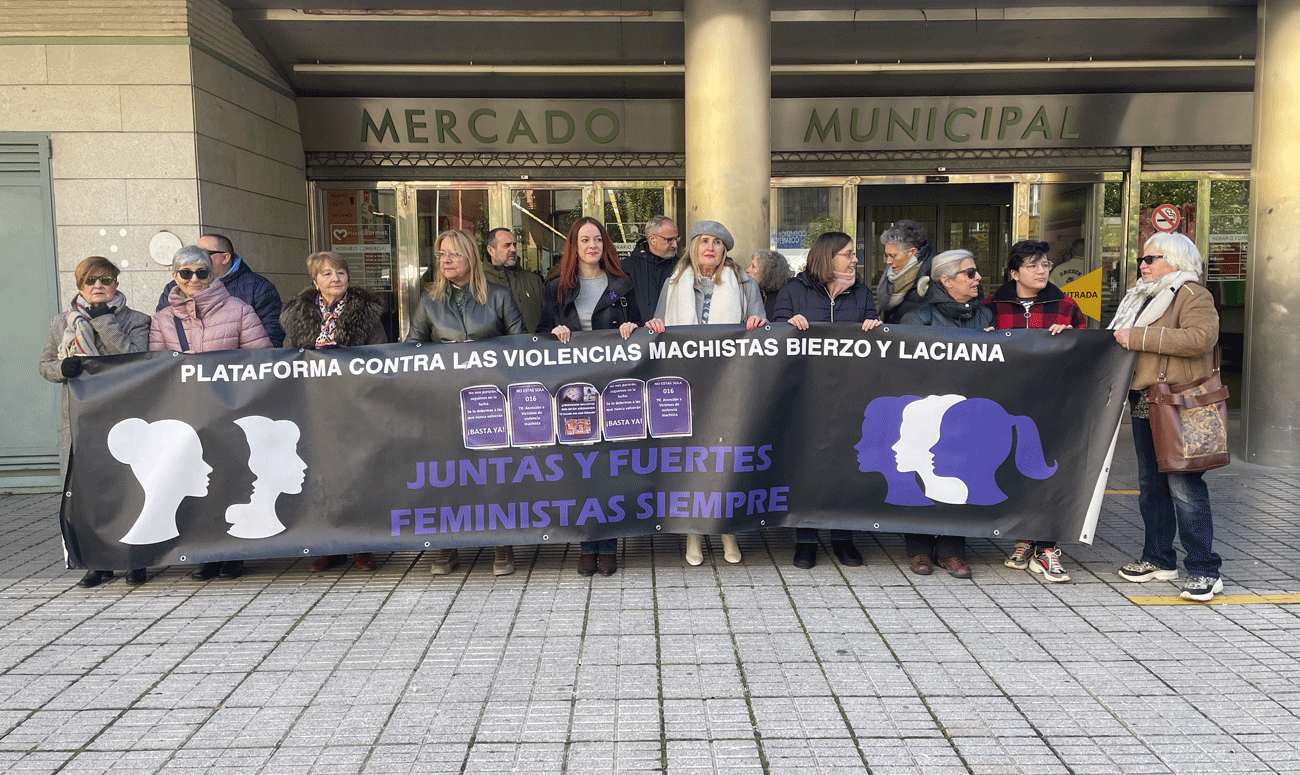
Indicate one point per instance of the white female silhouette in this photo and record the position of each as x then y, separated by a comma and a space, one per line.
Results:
273, 459
166, 457
920, 432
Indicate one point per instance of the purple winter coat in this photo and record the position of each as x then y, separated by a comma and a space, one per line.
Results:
213, 320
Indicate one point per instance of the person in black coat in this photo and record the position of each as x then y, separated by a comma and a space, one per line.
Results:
588, 291
827, 291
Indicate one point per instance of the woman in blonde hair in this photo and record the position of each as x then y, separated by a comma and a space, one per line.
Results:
460, 305
707, 287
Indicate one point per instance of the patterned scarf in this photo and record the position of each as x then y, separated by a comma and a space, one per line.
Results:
329, 319
79, 334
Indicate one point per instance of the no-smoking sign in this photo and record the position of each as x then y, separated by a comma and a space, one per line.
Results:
1165, 217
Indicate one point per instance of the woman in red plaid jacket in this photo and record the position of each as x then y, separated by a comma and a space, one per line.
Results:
1028, 300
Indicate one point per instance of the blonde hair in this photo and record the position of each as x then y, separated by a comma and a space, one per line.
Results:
463, 243
690, 259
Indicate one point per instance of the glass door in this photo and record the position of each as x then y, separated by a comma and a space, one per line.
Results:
360, 224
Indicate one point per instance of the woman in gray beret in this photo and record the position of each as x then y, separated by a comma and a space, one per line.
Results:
707, 287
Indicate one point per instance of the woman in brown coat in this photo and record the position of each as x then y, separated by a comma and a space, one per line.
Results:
1168, 314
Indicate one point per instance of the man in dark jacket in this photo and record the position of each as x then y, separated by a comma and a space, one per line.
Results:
502, 267
242, 282
652, 260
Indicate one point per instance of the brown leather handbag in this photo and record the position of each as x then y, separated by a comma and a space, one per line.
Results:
1189, 423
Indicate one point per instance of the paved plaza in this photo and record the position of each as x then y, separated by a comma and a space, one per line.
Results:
753, 668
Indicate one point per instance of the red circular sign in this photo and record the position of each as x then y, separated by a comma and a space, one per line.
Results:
1165, 217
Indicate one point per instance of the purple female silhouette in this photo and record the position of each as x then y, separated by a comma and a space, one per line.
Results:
975, 438
881, 424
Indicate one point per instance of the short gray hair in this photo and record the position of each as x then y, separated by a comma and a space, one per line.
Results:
946, 263
774, 268
1179, 251
191, 255
906, 234
653, 225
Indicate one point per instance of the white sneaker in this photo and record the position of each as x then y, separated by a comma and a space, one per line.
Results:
1201, 588
1019, 558
1143, 571
1048, 563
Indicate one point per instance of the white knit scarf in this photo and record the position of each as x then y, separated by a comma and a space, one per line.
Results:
725, 307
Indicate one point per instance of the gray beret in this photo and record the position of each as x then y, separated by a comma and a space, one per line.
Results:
713, 229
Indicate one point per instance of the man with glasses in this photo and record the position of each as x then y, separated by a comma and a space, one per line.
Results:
242, 282
502, 267
652, 260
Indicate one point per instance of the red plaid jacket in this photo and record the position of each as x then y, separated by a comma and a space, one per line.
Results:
1049, 308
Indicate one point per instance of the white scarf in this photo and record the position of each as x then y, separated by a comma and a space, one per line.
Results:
725, 307
1131, 313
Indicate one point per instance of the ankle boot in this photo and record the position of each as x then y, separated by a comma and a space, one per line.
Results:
694, 549
730, 548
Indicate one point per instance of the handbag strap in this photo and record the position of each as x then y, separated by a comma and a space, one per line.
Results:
180, 334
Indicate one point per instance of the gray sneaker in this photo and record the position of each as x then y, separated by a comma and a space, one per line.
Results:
1201, 588
1144, 571
503, 562
448, 560
1019, 558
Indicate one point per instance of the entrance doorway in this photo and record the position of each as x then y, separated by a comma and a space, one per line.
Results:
975, 217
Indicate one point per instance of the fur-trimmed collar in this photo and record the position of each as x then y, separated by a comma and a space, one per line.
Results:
301, 318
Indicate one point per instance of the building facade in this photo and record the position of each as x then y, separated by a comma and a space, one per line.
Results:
130, 128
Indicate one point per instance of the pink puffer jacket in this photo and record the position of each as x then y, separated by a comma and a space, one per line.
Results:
213, 320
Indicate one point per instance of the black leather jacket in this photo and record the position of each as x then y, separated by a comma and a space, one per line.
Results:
437, 320
616, 306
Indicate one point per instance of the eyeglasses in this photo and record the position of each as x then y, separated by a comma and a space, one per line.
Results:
669, 240
1044, 264
186, 274
1148, 259
971, 273
105, 281
216, 252
445, 254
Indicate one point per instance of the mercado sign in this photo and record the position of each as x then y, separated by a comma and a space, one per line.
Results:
831, 124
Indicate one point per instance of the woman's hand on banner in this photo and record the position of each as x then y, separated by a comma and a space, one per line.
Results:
562, 333
870, 323
626, 329
656, 325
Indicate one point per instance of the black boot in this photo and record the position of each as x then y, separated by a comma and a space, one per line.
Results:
846, 552
805, 556
94, 578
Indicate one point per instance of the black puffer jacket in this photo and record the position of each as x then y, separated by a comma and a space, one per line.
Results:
438, 320
616, 306
805, 296
940, 309
362, 321
647, 273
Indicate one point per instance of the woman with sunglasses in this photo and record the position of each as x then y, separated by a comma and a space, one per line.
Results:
97, 322
1168, 318
827, 291
952, 301
1030, 300
202, 317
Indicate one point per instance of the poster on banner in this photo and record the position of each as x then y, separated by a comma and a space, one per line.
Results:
272, 453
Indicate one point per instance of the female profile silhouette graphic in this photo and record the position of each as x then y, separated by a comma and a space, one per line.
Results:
273, 459
166, 457
917, 434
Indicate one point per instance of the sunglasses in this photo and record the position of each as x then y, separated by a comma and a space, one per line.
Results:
215, 252
105, 281
971, 273
186, 274
1148, 259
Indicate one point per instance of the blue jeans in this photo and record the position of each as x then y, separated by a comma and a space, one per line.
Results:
808, 535
1173, 503
603, 546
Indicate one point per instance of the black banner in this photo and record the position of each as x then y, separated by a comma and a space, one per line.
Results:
520, 440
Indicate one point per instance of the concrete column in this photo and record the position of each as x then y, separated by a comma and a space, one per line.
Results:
728, 118
1271, 401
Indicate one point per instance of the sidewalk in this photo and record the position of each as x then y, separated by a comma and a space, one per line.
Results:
753, 668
